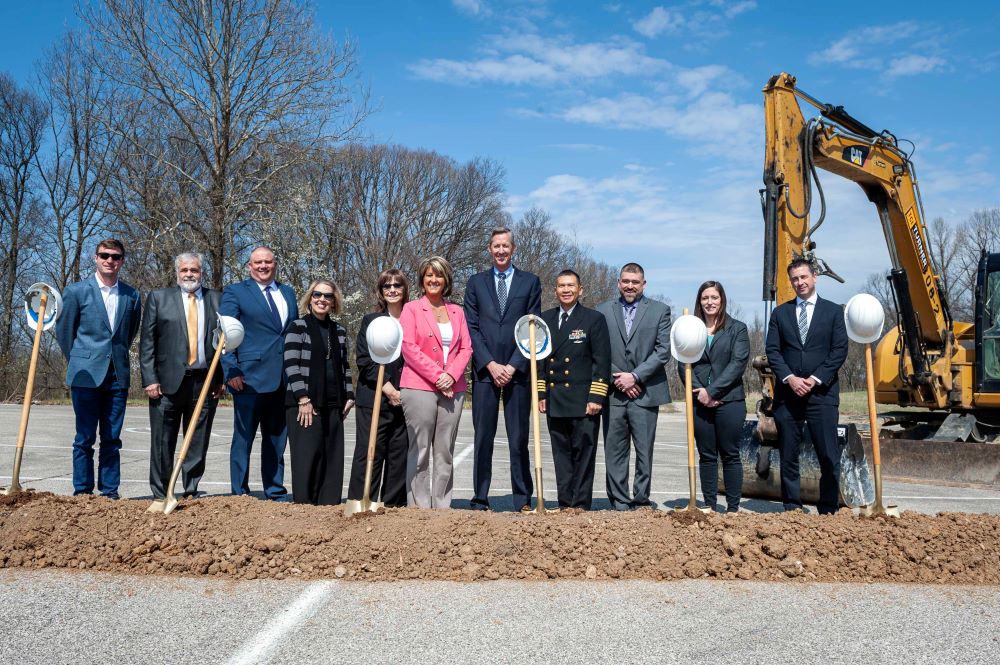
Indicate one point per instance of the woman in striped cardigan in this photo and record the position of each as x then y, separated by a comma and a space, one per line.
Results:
319, 396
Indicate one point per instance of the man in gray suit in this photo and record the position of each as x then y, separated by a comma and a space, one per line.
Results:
639, 328
175, 349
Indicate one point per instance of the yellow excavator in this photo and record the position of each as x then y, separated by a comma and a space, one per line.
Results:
949, 369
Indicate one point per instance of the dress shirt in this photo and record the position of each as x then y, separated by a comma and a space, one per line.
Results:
569, 313
110, 296
810, 308
509, 272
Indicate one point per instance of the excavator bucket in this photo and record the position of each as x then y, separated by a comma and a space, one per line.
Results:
762, 468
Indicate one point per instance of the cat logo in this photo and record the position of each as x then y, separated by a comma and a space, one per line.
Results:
856, 155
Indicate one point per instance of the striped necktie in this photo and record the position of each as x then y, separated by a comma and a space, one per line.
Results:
803, 321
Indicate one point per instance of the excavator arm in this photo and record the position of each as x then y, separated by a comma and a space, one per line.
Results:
840, 144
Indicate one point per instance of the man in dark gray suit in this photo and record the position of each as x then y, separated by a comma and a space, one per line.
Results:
175, 350
639, 328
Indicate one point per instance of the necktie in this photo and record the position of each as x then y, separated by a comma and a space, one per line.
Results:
629, 318
803, 322
562, 319
502, 292
192, 320
274, 308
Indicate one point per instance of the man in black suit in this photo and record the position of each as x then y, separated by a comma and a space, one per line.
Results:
494, 300
175, 350
806, 345
572, 389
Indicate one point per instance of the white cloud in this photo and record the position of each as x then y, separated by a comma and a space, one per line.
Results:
473, 7
866, 48
658, 21
533, 59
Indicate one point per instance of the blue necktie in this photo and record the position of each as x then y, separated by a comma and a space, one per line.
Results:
274, 307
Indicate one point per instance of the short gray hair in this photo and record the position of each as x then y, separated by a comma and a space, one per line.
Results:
189, 256
501, 230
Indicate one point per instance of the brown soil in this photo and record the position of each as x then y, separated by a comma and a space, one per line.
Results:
246, 538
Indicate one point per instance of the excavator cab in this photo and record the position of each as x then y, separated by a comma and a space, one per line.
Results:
987, 369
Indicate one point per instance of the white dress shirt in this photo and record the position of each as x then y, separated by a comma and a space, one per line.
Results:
110, 296
279, 300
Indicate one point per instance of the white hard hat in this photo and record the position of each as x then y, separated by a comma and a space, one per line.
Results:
232, 329
688, 336
33, 301
385, 339
522, 337
864, 317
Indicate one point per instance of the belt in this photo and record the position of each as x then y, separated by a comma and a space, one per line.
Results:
196, 372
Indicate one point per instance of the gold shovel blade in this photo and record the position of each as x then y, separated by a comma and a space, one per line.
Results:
14, 487
165, 506
355, 506
539, 509
876, 511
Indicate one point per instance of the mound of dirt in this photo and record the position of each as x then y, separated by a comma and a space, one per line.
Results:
240, 537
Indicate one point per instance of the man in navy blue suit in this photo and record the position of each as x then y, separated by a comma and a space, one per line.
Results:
255, 372
99, 320
494, 300
806, 345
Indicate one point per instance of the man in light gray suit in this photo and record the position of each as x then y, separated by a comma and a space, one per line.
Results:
639, 328
175, 350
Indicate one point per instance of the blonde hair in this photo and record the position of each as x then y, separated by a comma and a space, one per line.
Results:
305, 302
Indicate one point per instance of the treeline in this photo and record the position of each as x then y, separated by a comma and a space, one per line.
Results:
216, 126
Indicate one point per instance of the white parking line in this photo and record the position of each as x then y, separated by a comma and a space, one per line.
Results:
260, 646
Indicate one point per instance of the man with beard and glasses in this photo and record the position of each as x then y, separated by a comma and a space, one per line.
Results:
175, 350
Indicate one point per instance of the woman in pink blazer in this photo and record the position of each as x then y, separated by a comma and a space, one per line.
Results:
436, 351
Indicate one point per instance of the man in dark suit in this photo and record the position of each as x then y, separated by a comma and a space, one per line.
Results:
572, 388
175, 350
255, 372
494, 301
806, 345
95, 329
639, 328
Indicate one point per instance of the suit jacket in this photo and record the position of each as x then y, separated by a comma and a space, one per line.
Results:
492, 333
259, 359
721, 367
579, 368
645, 351
163, 342
423, 352
368, 368
821, 356
88, 341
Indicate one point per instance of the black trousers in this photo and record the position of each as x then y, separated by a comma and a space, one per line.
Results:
574, 451
717, 432
389, 463
317, 455
167, 415
821, 419
486, 402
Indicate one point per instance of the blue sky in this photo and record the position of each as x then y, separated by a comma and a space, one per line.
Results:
639, 125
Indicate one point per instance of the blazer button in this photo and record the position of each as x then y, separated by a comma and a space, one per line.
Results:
551, 371
566, 372
566, 359
567, 385
552, 385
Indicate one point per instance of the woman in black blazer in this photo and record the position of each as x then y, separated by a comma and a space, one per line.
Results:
720, 401
392, 291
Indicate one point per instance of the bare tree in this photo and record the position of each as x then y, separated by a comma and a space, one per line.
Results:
234, 82
945, 245
22, 123
76, 167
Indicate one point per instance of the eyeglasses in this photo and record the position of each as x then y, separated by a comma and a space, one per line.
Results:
104, 256
320, 295
392, 285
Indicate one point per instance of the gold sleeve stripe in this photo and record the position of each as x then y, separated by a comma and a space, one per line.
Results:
598, 388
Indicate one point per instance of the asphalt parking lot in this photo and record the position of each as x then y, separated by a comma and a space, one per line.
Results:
63, 617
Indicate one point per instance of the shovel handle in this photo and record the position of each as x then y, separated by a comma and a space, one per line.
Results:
193, 424
373, 434
29, 389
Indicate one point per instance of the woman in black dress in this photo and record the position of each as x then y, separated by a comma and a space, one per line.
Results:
392, 291
319, 395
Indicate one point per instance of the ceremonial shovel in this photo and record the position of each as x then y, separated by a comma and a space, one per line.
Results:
41, 292
230, 331
385, 344
365, 504
864, 318
534, 353
688, 337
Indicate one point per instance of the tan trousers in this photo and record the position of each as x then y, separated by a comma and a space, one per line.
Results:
432, 425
